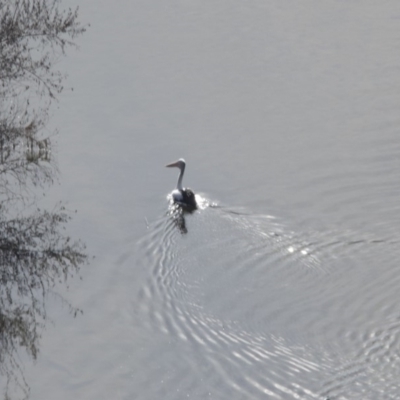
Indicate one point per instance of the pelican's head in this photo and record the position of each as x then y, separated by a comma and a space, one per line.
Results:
179, 164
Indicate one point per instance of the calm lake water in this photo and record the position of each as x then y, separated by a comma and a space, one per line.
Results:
286, 284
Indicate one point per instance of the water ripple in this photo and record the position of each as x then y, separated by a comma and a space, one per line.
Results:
256, 302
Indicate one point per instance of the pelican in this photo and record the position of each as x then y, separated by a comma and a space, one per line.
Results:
182, 196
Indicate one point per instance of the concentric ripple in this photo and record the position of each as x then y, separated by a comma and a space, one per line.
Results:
269, 311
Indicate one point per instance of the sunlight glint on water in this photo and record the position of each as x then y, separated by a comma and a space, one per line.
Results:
284, 283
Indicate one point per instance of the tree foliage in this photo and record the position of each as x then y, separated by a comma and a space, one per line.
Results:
35, 253
32, 34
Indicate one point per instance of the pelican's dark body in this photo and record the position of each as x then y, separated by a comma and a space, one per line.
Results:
183, 196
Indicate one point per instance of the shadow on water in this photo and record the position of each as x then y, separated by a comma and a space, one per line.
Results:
35, 252
270, 311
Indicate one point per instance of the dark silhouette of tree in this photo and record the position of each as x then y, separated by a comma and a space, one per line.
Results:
35, 253
33, 35
34, 256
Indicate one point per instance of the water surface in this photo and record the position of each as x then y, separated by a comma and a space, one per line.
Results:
285, 286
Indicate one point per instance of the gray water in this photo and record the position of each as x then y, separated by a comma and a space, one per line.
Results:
286, 283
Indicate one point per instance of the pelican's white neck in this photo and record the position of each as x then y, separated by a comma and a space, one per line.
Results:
179, 184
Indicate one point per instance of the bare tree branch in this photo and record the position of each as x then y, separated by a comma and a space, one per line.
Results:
35, 254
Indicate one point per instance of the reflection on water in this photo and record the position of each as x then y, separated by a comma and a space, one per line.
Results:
34, 255
178, 212
35, 252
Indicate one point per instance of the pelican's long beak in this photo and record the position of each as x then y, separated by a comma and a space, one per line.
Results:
174, 164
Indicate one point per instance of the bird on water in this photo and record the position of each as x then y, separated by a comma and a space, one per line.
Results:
182, 196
